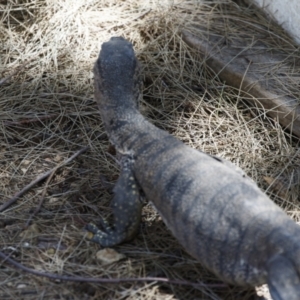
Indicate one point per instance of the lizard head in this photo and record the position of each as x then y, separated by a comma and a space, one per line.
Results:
117, 80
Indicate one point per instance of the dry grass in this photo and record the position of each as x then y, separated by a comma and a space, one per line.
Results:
48, 113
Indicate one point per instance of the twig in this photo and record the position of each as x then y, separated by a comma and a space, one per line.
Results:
42, 197
30, 120
5, 205
17, 69
17, 265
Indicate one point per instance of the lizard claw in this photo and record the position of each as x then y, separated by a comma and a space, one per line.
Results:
91, 228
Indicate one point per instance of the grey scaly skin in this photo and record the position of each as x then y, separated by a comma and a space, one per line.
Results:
216, 212
127, 207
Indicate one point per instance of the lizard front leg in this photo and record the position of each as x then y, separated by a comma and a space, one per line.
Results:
126, 205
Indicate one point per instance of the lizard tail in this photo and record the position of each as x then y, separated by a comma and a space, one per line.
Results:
283, 279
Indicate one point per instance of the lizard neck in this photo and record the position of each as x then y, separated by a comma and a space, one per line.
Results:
117, 92
122, 124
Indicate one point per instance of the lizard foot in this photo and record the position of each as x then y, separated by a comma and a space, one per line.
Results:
105, 238
126, 205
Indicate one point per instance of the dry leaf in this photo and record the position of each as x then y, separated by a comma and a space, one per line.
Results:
30, 232
24, 170
108, 256
26, 162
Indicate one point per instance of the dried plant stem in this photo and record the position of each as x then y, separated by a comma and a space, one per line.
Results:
42, 197
11, 201
17, 265
31, 120
17, 69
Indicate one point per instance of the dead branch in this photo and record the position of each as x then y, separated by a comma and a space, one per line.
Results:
247, 71
19, 266
5, 205
30, 120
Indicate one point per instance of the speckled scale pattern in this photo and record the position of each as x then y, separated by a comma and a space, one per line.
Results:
126, 205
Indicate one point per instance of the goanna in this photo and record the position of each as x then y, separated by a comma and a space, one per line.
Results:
216, 212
